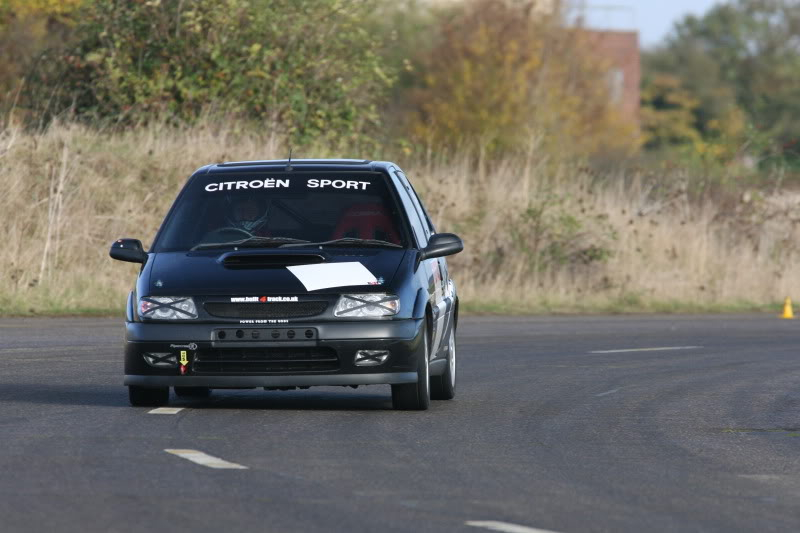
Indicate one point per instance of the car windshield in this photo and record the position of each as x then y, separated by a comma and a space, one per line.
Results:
291, 209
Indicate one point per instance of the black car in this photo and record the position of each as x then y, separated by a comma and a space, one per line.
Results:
289, 274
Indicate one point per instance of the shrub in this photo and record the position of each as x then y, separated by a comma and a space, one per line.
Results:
27, 27
307, 67
502, 73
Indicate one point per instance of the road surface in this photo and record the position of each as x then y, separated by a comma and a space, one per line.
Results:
566, 424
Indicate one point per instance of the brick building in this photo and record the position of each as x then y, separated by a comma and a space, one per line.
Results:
617, 49
620, 51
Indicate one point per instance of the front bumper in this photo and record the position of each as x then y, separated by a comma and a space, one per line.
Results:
246, 359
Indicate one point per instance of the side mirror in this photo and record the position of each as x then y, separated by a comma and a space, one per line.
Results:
442, 244
129, 250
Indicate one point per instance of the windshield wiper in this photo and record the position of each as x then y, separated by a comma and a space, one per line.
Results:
251, 242
347, 241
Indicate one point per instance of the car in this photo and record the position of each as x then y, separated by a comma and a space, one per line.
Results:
288, 274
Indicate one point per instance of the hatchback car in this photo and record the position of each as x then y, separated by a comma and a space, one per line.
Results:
293, 274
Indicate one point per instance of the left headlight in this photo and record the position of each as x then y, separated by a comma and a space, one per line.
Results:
373, 305
167, 307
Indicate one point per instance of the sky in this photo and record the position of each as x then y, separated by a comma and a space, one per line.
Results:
653, 18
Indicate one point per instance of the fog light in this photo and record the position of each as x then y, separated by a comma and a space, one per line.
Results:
371, 357
161, 360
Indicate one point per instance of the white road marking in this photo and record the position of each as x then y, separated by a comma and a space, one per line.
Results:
606, 393
661, 349
205, 459
764, 477
165, 411
505, 527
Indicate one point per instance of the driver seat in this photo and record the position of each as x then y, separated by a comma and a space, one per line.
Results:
366, 221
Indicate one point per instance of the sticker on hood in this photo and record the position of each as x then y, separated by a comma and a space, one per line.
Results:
327, 275
263, 299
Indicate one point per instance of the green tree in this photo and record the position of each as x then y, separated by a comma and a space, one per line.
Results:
740, 55
308, 68
27, 27
668, 113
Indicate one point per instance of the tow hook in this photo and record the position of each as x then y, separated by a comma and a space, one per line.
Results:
184, 363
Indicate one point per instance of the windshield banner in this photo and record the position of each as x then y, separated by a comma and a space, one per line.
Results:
272, 183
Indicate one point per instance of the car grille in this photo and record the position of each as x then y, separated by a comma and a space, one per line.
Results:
267, 310
265, 360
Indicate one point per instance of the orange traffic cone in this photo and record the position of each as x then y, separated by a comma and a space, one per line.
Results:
787, 308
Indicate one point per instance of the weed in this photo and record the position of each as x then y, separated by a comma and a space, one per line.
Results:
539, 237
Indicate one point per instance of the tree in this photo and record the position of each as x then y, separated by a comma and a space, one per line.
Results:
27, 27
740, 55
668, 113
502, 73
306, 68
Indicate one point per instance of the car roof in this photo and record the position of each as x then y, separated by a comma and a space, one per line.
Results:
299, 164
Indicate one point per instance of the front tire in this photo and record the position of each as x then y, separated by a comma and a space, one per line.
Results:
415, 396
147, 397
444, 387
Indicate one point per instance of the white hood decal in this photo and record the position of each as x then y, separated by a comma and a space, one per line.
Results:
327, 275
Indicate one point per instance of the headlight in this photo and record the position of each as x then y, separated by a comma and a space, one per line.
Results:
367, 305
167, 307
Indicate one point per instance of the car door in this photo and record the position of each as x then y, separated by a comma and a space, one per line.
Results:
442, 301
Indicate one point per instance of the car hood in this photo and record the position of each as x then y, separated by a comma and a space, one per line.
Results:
212, 272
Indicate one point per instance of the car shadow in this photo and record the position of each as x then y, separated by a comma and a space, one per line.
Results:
103, 395
304, 400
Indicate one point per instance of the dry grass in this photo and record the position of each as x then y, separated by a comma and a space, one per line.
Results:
539, 236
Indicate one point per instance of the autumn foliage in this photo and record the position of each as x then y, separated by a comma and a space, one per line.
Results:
27, 29
497, 75
505, 73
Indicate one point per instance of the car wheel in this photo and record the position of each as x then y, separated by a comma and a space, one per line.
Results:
147, 397
415, 396
192, 392
444, 387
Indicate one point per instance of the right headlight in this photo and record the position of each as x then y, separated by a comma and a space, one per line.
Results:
167, 307
372, 305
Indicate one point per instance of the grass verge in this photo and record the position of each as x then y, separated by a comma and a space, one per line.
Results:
541, 235
469, 308
621, 307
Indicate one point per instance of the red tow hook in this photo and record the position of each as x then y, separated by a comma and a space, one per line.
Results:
184, 363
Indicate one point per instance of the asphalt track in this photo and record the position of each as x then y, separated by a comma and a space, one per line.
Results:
552, 429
